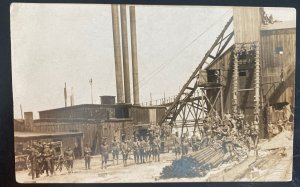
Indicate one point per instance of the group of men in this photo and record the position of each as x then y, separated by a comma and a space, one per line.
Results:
43, 157
216, 132
141, 148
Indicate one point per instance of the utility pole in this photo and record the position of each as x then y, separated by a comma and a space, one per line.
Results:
65, 94
91, 83
21, 112
72, 97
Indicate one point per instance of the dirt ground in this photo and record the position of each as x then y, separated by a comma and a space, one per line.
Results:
150, 172
146, 172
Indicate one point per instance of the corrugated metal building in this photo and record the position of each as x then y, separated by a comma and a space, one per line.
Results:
95, 121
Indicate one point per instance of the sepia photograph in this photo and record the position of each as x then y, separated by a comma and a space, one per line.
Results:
124, 93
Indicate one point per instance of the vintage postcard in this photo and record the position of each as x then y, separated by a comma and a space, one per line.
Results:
149, 93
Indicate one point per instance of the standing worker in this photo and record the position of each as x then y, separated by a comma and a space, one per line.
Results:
142, 150
194, 142
135, 149
147, 149
52, 158
115, 150
33, 157
185, 145
87, 156
125, 151
69, 157
177, 145
156, 148
47, 158
104, 154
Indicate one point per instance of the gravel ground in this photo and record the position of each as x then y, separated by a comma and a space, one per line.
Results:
150, 172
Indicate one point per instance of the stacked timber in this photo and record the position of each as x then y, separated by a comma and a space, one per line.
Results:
196, 164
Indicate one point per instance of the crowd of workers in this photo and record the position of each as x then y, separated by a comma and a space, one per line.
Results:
147, 148
44, 159
142, 149
227, 133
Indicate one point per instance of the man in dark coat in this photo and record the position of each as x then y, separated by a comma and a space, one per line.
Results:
52, 158
135, 149
87, 156
33, 157
177, 145
104, 154
156, 148
115, 145
125, 151
69, 157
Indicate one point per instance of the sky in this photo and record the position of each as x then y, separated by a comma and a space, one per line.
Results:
57, 43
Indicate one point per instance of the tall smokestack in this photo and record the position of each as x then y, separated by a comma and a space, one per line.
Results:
125, 54
135, 69
117, 51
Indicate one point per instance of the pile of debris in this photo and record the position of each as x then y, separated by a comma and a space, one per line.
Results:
199, 163
196, 164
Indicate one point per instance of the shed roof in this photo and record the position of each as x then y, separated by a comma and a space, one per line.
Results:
81, 106
25, 136
279, 25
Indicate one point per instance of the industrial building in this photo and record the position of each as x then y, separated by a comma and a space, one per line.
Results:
253, 76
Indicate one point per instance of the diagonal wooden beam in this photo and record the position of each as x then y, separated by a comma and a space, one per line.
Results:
192, 77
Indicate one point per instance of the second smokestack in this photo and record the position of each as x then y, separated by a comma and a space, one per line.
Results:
117, 51
125, 54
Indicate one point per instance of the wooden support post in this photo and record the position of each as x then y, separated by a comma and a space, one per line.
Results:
257, 82
222, 103
235, 80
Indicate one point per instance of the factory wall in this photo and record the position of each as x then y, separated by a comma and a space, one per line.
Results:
146, 115
279, 58
93, 132
275, 88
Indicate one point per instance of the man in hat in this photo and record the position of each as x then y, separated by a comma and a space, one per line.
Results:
125, 151
129, 143
147, 149
207, 135
33, 157
194, 141
185, 145
104, 153
177, 145
142, 149
87, 156
135, 149
47, 157
115, 145
156, 148
52, 158
69, 157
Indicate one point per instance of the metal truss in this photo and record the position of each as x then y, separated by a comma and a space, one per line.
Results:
192, 103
